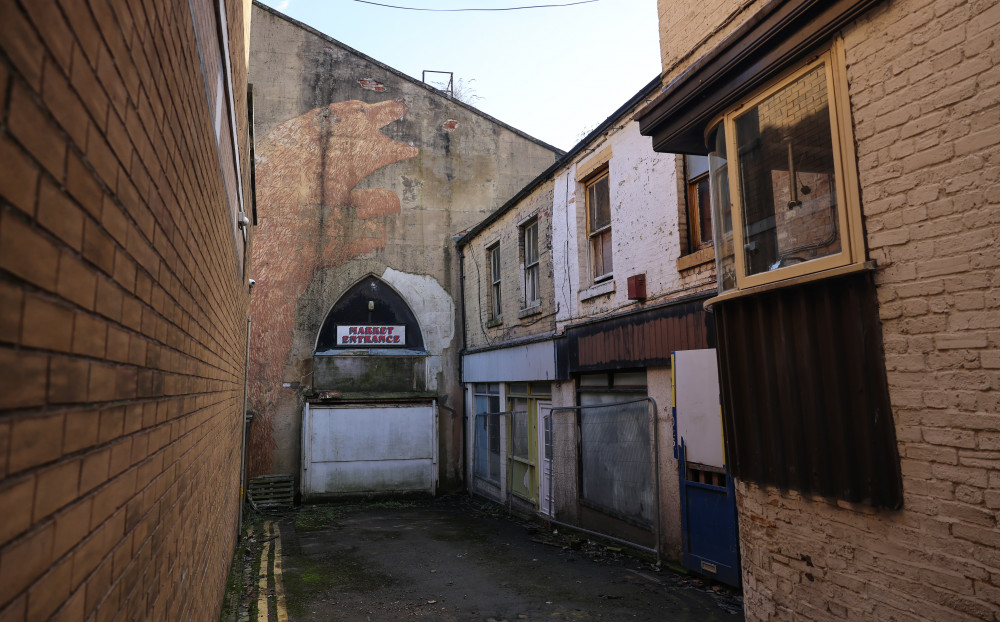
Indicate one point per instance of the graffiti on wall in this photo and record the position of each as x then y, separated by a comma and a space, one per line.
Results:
312, 216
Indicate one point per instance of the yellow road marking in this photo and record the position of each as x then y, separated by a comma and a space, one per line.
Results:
262, 614
279, 585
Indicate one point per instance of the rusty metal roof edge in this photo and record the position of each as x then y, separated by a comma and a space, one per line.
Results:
673, 302
307, 27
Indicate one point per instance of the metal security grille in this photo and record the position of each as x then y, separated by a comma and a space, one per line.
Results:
616, 466
612, 448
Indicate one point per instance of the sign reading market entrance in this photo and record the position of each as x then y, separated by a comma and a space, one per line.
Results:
369, 335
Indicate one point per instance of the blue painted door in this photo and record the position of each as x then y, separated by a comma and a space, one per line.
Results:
708, 523
708, 500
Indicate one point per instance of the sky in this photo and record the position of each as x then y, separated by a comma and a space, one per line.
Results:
554, 73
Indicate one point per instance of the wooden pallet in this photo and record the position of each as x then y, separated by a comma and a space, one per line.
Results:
272, 492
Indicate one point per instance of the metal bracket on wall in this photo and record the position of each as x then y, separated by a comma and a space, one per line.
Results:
450, 89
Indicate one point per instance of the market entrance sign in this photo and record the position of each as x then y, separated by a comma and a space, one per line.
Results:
371, 335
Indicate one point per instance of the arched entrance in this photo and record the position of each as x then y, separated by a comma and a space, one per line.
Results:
371, 425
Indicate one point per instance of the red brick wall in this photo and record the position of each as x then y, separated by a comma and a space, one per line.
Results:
122, 315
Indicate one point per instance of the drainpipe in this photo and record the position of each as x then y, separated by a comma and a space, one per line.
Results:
461, 354
243, 423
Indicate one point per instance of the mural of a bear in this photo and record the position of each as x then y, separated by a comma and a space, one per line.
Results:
312, 217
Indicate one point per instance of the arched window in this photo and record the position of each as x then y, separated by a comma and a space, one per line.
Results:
370, 315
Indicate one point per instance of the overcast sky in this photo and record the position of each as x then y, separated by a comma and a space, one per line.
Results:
554, 73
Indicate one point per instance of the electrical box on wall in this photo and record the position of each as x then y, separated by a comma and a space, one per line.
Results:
637, 287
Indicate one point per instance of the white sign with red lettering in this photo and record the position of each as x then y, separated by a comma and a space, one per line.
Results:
369, 335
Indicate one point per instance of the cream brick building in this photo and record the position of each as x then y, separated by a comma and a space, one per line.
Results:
894, 515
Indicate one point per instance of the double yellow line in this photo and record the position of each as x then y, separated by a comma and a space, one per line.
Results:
263, 614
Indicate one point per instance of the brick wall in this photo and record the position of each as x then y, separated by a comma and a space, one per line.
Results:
689, 29
925, 99
506, 231
122, 315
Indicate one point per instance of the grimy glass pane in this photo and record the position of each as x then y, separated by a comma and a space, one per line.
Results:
722, 214
531, 284
531, 244
599, 201
593, 380
704, 211
481, 447
787, 178
494, 449
540, 388
518, 387
521, 444
606, 253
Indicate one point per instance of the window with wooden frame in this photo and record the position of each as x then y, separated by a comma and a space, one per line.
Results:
599, 224
783, 172
529, 260
496, 308
699, 203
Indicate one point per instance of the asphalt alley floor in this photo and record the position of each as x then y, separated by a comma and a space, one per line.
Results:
457, 559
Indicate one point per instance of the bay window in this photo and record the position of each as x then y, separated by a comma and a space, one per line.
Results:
784, 189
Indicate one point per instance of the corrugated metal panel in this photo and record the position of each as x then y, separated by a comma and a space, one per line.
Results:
640, 339
804, 391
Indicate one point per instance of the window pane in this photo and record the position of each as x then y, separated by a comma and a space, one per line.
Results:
494, 443
540, 388
520, 443
606, 253
518, 387
722, 221
531, 284
704, 211
495, 264
593, 380
599, 202
787, 178
630, 379
531, 244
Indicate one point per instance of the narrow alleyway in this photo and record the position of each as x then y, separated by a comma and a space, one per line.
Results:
454, 559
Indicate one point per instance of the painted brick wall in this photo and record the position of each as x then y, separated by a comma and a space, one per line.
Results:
646, 201
479, 330
925, 98
122, 315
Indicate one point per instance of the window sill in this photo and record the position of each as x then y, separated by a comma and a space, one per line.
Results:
698, 258
598, 289
799, 280
494, 323
528, 312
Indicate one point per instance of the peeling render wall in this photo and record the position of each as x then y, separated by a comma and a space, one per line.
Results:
361, 171
644, 221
